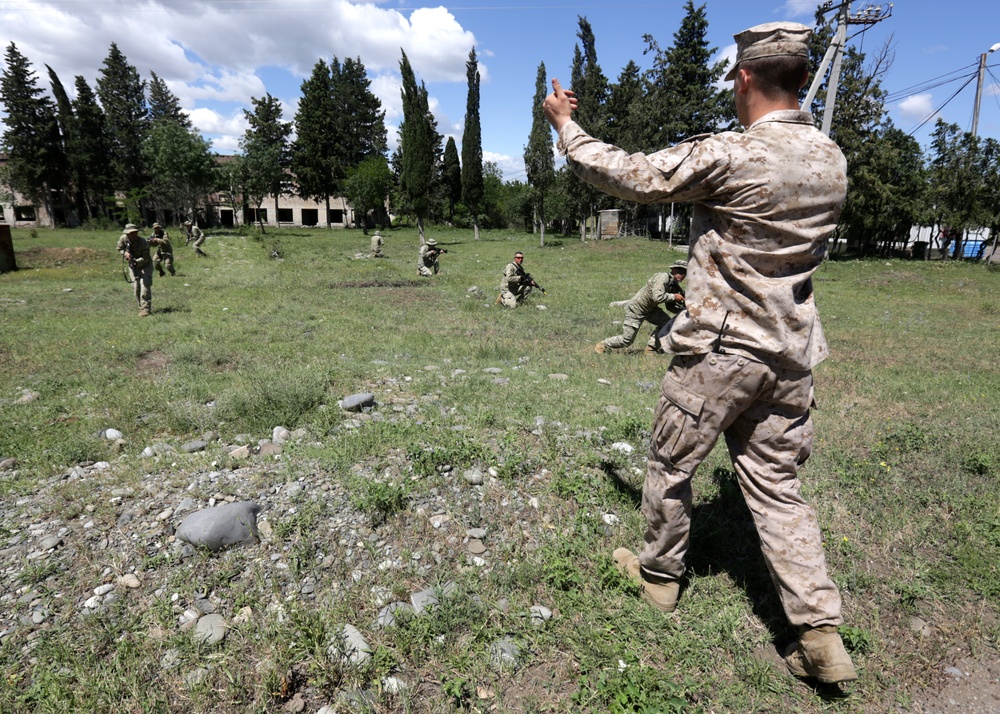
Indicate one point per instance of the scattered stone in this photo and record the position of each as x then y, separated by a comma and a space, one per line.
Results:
954, 672
195, 677
7, 464
622, 447
129, 580
473, 476
270, 449
919, 627
540, 307
492, 370
476, 533
103, 589
210, 630
604, 381
50, 542
387, 615
240, 452
611, 519
279, 435
27, 395
222, 526
353, 647
504, 654
193, 446
357, 402
428, 598
540, 615
111, 434
559, 377
170, 659
476, 547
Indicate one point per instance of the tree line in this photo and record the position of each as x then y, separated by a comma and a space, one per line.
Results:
129, 148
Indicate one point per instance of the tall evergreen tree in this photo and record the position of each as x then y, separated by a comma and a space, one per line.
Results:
364, 130
164, 104
591, 87
417, 140
682, 97
265, 152
472, 146
89, 150
367, 187
451, 177
63, 178
315, 153
123, 97
31, 136
539, 162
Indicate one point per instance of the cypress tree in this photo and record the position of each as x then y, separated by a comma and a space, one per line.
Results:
31, 137
472, 146
164, 104
89, 149
314, 154
416, 145
451, 176
123, 97
538, 160
364, 129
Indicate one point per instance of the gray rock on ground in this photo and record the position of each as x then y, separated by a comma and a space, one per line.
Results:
222, 526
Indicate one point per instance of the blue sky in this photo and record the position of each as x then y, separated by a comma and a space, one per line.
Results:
217, 54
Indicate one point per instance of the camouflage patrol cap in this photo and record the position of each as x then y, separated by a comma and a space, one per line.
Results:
431, 241
772, 39
679, 265
131, 228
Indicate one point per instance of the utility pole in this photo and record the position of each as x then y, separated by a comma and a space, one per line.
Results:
979, 87
870, 15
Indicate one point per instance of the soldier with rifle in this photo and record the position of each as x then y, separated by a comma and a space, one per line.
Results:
135, 252
164, 251
427, 263
516, 285
661, 289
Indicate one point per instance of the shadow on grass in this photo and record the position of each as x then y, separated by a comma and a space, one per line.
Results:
724, 539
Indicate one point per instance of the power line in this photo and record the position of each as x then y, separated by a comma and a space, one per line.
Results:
938, 109
933, 83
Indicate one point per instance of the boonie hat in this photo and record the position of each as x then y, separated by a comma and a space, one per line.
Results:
682, 264
131, 228
157, 225
772, 39
187, 223
431, 241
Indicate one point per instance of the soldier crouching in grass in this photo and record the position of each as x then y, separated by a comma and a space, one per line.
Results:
427, 261
135, 250
766, 201
661, 289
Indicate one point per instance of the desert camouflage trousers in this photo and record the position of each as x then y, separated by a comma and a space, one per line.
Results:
513, 298
763, 412
142, 284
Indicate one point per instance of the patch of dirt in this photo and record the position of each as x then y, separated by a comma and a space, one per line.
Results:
379, 284
964, 684
152, 361
37, 257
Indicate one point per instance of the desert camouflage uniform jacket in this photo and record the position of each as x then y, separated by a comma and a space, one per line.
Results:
765, 203
513, 277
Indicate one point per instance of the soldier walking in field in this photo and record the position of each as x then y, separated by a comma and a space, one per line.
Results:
194, 235
164, 251
766, 201
135, 251
661, 289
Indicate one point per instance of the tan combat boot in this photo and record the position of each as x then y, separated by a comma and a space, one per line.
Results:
144, 313
662, 595
650, 351
599, 348
820, 653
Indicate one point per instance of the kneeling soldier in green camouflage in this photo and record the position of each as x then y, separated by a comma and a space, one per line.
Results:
662, 288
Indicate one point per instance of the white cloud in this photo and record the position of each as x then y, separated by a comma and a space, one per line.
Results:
917, 107
512, 167
797, 8
209, 121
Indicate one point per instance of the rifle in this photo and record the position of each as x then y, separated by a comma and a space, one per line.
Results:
531, 281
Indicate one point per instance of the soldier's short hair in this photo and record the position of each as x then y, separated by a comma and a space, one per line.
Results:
778, 75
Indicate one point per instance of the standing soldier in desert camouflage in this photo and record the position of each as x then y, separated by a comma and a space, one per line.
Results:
766, 201
135, 250
661, 289
164, 251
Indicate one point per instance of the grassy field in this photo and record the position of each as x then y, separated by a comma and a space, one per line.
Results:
273, 329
